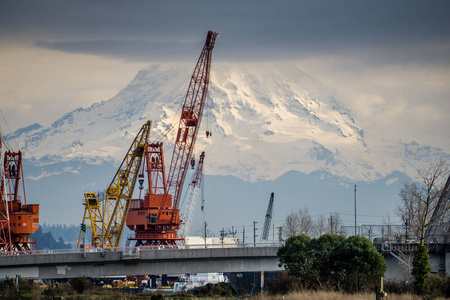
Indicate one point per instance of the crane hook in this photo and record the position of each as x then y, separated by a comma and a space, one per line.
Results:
141, 181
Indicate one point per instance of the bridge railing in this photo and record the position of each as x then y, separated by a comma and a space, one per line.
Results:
133, 251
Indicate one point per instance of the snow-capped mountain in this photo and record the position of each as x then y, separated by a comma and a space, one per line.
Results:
274, 129
266, 120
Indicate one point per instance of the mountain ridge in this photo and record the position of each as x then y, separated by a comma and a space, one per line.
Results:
266, 120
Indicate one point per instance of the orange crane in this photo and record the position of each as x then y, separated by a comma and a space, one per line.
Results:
18, 220
156, 218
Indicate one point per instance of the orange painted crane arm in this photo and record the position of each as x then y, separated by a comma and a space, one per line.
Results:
191, 116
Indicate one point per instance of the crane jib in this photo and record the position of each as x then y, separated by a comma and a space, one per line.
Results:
155, 218
190, 119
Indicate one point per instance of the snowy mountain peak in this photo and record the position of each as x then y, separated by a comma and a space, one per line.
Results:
266, 119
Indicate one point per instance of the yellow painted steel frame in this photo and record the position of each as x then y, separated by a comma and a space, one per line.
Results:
119, 194
93, 214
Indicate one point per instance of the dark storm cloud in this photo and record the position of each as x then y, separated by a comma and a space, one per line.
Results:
128, 50
147, 30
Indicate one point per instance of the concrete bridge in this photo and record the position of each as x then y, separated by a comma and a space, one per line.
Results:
60, 264
138, 261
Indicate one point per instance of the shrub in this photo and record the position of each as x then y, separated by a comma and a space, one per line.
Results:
81, 284
357, 264
391, 287
435, 286
157, 296
283, 284
421, 269
210, 290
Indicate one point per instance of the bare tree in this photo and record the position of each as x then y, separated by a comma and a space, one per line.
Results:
302, 223
419, 199
291, 225
334, 223
306, 221
320, 226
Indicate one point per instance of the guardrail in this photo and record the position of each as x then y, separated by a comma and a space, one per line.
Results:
130, 250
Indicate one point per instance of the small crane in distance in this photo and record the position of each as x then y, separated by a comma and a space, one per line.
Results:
265, 235
195, 185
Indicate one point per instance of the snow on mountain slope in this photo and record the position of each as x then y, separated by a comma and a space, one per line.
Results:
266, 119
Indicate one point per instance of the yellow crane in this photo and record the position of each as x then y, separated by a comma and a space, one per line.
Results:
107, 227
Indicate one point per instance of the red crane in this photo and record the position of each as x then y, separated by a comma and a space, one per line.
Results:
156, 218
18, 220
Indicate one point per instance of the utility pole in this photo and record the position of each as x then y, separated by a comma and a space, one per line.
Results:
233, 232
355, 210
254, 233
406, 229
273, 230
205, 234
243, 235
103, 227
83, 229
331, 224
222, 235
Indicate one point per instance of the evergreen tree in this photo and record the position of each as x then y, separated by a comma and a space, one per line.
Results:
421, 269
351, 264
45, 240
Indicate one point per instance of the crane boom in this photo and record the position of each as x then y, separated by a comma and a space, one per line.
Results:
439, 227
155, 219
193, 196
265, 235
120, 191
5, 236
118, 196
191, 116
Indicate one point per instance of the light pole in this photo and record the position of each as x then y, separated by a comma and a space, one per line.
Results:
205, 233
406, 229
355, 209
254, 233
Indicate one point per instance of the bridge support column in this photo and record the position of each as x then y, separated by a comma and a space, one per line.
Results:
447, 264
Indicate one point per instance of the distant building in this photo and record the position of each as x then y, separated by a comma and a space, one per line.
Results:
193, 242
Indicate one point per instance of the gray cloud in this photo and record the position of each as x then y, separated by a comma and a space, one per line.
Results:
267, 30
389, 60
137, 50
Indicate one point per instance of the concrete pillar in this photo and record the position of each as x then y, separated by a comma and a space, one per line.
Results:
447, 264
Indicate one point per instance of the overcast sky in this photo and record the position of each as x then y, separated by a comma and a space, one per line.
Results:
389, 61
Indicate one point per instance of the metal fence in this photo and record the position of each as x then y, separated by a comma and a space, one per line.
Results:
381, 233
133, 251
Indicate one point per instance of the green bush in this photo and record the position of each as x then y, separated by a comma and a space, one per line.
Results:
283, 284
8, 289
357, 264
332, 262
391, 287
211, 290
157, 296
435, 286
446, 287
421, 269
81, 284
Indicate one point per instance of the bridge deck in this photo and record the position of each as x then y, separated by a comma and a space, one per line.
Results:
134, 261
